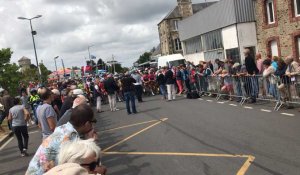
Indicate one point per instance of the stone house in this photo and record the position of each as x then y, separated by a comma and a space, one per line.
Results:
278, 27
24, 63
168, 28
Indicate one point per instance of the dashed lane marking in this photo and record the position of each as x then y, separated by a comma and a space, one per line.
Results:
209, 100
201, 99
288, 114
233, 105
220, 102
265, 110
248, 107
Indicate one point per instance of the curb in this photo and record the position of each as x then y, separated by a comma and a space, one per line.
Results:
6, 138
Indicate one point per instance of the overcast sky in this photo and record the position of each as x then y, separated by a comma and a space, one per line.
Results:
125, 28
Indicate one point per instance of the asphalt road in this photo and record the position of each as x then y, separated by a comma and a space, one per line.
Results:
192, 137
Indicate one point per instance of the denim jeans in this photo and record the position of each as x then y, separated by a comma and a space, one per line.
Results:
163, 90
129, 98
139, 92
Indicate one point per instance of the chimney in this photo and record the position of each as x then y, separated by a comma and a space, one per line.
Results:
185, 8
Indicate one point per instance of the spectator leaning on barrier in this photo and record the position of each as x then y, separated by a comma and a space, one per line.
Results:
252, 71
275, 62
293, 72
268, 73
259, 63
80, 125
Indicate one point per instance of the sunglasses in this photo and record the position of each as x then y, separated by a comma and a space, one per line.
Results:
92, 166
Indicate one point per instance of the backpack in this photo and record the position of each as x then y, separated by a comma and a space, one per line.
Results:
192, 95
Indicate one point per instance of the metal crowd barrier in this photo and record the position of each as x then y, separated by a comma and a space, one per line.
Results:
281, 91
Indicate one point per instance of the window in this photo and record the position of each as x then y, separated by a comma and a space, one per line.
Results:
175, 25
274, 48
297, 7
233, 54
270, 11
177, 44
193, 45
212, 40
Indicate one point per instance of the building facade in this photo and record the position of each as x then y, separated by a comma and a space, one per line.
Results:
24, 63
278, 27
168, 28
221, 31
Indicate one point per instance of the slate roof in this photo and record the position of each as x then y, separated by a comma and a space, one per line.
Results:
196, 8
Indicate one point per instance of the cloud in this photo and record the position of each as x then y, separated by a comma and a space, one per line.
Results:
125, 28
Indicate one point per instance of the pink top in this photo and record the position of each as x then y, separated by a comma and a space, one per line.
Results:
259, 64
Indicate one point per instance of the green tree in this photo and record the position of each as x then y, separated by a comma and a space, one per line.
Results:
10, 78
144, 58
9, 73
5, 55
31, 74
101, 64
45, 73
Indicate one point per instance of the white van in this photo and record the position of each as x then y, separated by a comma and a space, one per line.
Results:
170, 60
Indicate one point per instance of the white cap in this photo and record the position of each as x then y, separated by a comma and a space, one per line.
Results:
77, 92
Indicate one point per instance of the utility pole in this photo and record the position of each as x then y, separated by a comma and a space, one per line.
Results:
32, 34
56, 67
114, 65
62, 62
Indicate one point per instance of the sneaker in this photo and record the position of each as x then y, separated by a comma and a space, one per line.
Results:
117, 109
23, 155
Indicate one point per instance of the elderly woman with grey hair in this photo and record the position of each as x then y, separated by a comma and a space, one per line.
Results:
87, 157
291, 86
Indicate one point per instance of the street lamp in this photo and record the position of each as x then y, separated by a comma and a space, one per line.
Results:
90, 54
32, 34
55, 58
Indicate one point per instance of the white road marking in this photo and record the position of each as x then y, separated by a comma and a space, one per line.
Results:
209, 100
248, 107
200, 99
233, 105
288, 114
265, 110
221, 102
32, 132
4, 145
